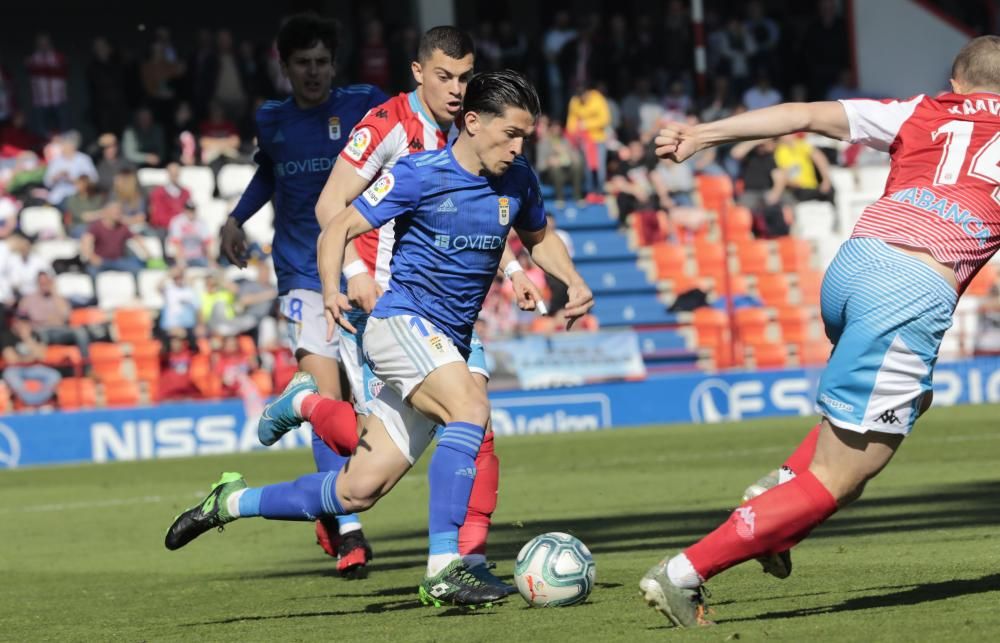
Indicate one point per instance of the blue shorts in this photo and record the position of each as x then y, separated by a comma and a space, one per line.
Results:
886, 314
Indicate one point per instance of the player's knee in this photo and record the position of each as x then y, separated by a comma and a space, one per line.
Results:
362, 492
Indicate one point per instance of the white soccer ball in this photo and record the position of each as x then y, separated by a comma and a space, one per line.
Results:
554, 570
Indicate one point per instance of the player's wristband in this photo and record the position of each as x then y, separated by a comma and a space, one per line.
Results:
354, 269
511, 268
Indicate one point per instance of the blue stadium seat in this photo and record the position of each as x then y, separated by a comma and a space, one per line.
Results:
661, 342
611, 277
630, 310
587, 217
600, 245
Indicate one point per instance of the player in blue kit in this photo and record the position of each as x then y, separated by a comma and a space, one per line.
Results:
298, 142
453, 209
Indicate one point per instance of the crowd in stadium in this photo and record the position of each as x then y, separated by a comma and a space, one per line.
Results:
141, 193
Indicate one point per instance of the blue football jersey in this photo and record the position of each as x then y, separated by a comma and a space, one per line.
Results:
451, 228
300, 146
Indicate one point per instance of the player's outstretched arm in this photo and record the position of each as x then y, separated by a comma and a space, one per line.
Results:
678, 141
333, 241
549, 252
232, 239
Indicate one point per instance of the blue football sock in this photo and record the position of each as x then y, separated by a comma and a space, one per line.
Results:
451, 474
329, 460
311, 496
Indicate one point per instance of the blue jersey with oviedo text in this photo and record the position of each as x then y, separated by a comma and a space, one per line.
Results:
451, 228
300, 146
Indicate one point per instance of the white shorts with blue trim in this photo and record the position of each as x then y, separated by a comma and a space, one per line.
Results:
886, 314
303, 310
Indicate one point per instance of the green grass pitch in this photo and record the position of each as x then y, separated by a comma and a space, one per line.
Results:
917, 559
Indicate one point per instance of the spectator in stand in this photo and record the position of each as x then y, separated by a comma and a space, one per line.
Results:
175, 372
179, 315
7, 106
824, 50
105, 244
218, 303
641, 110
230, 92
587, 122
806, 168
555, 40
678, 40
203, 68
762, 94
497, 318
845, 87
83, 208
766, 35
21, 267
127, 192
720, 103
106, 82
159, 73
21, 351
513, 45
9, 210
764, 186
677, 103
16, 136
254, 303
63, 170
233, 365
183, 145
189, 239
373, 57
167, 201
731, 48
143, 142
112, 162
48, 72
219, 137
48, 313
558, 162
487, 48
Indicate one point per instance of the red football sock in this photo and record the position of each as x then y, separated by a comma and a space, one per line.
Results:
473, 533
802, 457
772, 522
333, 421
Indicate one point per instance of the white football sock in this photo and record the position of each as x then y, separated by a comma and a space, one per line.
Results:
785, 474
348, 527
437, 562
681, 573
233, 503
297, 402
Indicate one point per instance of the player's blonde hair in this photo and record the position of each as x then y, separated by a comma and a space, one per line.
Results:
977, 65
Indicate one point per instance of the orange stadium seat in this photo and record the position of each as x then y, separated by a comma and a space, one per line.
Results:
773, 289
751, 325
814, 353
76, 393
982, 282
710, 257
262, 379
146, 357
796, 324
106, 360
738, 223
737, 283
121, 393
810, 284
754, 256
769, 355
87, 316
247, 347
5, 398
670, 260
715, 191
133, 324
710, 326
795, 253
63, 356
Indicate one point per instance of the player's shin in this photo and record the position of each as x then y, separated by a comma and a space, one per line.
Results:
451, 474
800, 459
473, 533
305, 499
334, 421
328, 460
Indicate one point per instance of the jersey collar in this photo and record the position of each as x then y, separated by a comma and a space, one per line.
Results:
418, 108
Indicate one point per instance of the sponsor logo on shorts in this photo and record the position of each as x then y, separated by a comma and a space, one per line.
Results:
744, 520
436, 342
358, 144
836, 404
379, 189
333, 127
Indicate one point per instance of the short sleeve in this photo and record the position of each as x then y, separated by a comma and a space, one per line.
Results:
372, 144
393, 194
532, 215
876, 123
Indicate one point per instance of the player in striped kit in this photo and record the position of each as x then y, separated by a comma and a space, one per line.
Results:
887, 300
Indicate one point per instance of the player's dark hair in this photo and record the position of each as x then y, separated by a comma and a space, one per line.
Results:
493, 92
304, 31
978, 63
452, 41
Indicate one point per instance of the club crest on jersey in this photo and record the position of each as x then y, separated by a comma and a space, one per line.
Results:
334, 128
503, 210
358, 144
374, 194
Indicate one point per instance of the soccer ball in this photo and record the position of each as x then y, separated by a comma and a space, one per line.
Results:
554, 570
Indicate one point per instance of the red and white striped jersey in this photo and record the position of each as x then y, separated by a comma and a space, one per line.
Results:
48, 72
387, 133
943, 190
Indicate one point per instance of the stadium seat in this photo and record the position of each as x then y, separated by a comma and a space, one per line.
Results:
984, 280
199, 180
214, 213
6, 399
43, 221
247, 346
711, 327
815, 219
54, 249
769, 355
736, 284
608, 277
233, 179
738, 223
150, 177
263, 382
815, 353
146, 357
76, 393
132, 324
59, 356
754, 256
149, 287
152, 245
259, 228
121, 393
207, 382
872, 178
773, 289
600, 245
75, 286
106, 360
810, 284
115, 289
87, 316
715, 191
797, 324
751, 325
630, 310
795, 253
709, 257
592, 217
670, 260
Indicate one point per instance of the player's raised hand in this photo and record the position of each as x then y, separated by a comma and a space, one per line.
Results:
527, 294
363, 291
335, 307
233, 243
581, 300
677, 141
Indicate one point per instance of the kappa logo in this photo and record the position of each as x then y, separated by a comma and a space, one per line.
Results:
379, 189
744, 519
358, 144
279, 137
503, 210
447, 206
10, 448
889, 417
381, 113
416, 145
